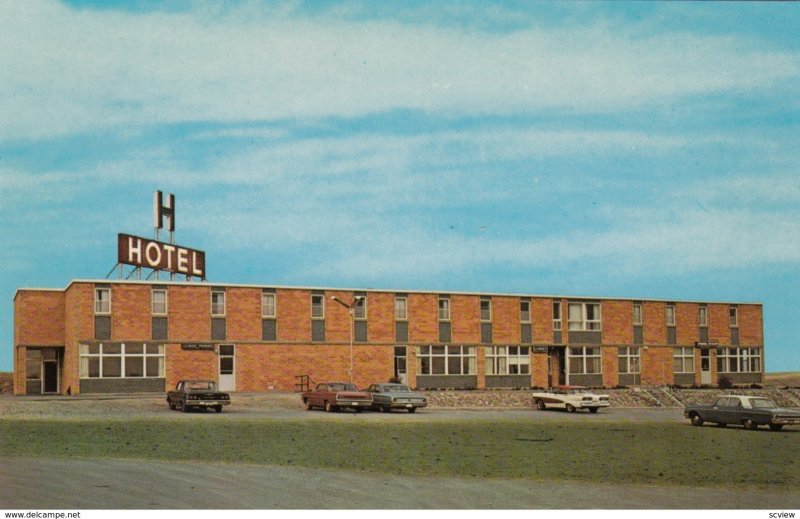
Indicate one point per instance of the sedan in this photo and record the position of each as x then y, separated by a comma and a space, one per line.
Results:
386, 397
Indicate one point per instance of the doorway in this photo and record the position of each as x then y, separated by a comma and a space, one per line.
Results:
705, 366
400, 364
227, 367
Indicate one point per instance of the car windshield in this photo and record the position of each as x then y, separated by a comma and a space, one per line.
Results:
343, 387
395, 389
201, 385
763, 403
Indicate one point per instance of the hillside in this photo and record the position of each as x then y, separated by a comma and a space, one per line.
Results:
783, 379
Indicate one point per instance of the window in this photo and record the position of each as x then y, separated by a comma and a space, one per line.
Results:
739, 360
268, 305
486, 309
637, 314
317, 306
670, 315
360, 307
525, 311
121, 360
446, 360
583, 316
584, 360
556, 315
683, 360
217, 303
444, 309
702, 317
33, 364
733, 316
400, 308
630, 361
508, 360
159, 301
102, 300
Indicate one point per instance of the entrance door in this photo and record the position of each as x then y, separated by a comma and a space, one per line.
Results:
400, 364
705, 366
50, 371
227, 364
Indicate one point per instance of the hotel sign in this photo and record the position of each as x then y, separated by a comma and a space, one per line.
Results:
142, 252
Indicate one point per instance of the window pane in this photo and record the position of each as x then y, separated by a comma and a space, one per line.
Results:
576, 365
454, 365
400, 308
134, 348
112, 349
317, 307
112, 367
444, 309
155, 366
437, 350
33, 369
593, 365
525, 311
437, 366
424, 365
268, 305
134, 366
486, 310
469, 365
94, 367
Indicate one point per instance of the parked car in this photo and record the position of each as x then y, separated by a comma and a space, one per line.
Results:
570, 398
386, 397
333, 396
749, 411
201, 394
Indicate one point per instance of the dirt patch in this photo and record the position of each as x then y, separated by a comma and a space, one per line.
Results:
783, 379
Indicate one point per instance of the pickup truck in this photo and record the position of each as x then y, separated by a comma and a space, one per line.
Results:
333, 396
201, 394
748, 411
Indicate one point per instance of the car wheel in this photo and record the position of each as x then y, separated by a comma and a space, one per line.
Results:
328, 407
593, 409
357, 409
184, 408
540, 405
218, 408
171, 407
386, 408
750, 424
570, 408
412, 410
696, 419
776, 426
309, 407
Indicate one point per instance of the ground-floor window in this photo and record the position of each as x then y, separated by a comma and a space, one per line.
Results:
122, 360
630, 361
739, 360
584, 360
508, 360
683, 360
446, 360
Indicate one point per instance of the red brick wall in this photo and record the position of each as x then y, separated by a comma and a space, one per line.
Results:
465, 317
610, 360
39, 318
751, 326
337, 317
718, 326
187, 364
78, 326
539, 375
423, 318
688, 326
617, 319
380, 313
130, 312
542, 317
243, 314
505, 320
655, 322
294, 315
189, 312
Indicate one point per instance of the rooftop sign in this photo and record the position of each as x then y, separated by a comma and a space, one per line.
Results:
142, 252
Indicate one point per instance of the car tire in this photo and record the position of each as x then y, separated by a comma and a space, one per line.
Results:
540, 405
750, 424
309, 407
328, 407
696, 419
386, 408
218, 408
776, 426
171, 407
184, 408
357, 409
412, 410
593, 409
570, 408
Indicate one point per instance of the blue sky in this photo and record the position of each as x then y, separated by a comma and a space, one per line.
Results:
644, 150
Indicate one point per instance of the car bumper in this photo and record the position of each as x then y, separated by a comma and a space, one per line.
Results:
206, 403
407, 405
353, 403
588, 405
780, 420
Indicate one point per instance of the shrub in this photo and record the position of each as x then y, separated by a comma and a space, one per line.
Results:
725, 383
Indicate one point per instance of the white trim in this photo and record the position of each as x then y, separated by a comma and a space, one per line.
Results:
166, 301
311, 300
224, 303
274, 297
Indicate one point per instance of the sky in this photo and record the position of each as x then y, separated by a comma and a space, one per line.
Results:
640, 150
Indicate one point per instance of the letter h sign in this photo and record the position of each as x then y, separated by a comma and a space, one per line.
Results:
160, 211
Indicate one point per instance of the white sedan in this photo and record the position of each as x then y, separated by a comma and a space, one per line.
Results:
570, 398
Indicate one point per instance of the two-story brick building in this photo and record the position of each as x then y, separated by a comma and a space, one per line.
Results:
133, 336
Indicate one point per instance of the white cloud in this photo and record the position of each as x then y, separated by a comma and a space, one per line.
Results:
68, 70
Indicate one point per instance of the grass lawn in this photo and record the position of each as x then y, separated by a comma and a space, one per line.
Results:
648, 453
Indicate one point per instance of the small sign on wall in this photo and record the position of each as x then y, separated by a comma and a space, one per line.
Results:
539, 349
197, 347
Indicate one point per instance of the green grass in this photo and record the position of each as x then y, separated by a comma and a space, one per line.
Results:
654, 453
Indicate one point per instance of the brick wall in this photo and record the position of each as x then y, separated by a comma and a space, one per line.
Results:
130, 312
655, 322
243, 314
751, 326
189, 312
505, 320
542, 317
423, 318
465, 315
617, 319
687, 323
294, 315
718, 325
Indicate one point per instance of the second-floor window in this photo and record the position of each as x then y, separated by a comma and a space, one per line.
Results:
556, 315
159, 302
584, 316
702, 316
444, 309
218, 303
400, 308
486, 309
102, 300
637, 314
670, 315
525, 311
317, 306
360, 307
268, 305
733, 316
